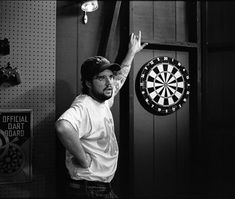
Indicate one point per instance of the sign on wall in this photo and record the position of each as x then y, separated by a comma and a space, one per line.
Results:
15, 145
162, 85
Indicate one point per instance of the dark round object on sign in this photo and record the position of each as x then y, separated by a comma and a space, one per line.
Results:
162, 85
13, 161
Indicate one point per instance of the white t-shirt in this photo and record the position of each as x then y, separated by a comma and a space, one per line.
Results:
94, 123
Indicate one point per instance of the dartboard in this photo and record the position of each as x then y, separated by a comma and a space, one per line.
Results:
12, 158
162, 85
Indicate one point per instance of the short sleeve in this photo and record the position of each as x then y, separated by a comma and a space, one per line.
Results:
77, 116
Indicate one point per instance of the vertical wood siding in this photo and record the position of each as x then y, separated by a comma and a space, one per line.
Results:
161, 143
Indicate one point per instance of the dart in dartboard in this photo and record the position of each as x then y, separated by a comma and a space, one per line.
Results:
12, 158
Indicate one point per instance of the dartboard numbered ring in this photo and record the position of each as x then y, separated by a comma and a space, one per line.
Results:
162, 85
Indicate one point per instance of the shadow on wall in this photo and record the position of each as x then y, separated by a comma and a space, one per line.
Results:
65, 98
69, 8
62, 103
44, 157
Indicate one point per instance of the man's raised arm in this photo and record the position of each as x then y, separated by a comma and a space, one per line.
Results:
133, 48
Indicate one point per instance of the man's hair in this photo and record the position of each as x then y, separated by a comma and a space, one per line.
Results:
85, 89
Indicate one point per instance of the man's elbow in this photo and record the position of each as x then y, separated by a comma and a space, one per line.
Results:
60, 126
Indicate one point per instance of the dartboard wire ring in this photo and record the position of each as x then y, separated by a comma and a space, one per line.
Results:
13, 161
161, 70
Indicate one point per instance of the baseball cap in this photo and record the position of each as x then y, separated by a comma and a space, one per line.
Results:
94, 65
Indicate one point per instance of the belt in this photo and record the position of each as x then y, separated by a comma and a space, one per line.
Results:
86, 183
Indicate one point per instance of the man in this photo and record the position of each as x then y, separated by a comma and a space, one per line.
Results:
86, 129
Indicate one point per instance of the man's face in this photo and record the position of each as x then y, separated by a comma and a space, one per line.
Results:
101, 87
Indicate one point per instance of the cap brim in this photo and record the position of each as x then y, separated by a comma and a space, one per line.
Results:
113, 67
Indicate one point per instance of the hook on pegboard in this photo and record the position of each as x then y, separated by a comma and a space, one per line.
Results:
9, 75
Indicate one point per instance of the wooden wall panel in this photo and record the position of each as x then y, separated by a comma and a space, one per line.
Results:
215, 85
143, 16
183, 137
66, 55
144, 153
166, 139
220, 110
161, 143
220, 25
181, 21
220, 87
161, 20
165, 148
164, 21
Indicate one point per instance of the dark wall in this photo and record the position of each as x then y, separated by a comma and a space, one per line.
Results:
161, 144
219, 106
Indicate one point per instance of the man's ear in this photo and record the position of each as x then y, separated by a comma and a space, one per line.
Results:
88, 84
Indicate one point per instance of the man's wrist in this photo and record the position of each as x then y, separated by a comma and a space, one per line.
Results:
131, 53
88, 160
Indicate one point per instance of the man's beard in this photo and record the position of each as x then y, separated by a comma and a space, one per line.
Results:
102, 96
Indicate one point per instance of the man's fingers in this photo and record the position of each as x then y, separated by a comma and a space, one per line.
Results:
139, 35
138, 39
132, 36
145, 44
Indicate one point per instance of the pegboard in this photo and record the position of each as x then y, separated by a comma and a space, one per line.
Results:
30, 27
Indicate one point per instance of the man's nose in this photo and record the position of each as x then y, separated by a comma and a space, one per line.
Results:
108, 80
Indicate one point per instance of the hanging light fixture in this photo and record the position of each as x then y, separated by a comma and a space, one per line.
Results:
88, 6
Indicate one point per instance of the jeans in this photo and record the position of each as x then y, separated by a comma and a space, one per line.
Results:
89, 190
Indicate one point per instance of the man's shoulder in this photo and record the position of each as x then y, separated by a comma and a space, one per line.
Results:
82, 100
